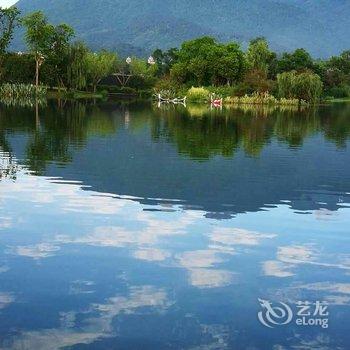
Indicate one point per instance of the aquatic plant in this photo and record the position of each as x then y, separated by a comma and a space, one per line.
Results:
22, 91
22, 102
22, 95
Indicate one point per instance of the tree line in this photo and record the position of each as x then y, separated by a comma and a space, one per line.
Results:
206, 62
54, 59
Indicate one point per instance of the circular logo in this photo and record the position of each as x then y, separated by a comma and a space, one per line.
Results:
272, 315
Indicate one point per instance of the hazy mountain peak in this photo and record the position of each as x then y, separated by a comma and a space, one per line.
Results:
321, 26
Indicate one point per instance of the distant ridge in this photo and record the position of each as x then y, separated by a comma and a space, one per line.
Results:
139, 26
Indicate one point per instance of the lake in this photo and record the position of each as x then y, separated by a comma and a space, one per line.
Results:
128, 226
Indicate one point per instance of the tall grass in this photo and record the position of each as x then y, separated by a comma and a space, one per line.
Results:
22, 95
22, 91
263, 99
198, 94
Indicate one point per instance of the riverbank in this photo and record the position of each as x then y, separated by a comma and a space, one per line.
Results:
338, 100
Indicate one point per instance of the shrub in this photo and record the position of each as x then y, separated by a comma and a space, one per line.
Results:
339, 91
261, 99
22, 95
305, 86
222, 91
198, 94
22, 91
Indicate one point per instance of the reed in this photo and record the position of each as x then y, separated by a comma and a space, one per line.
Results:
22, 95
198, 94
22, 91
263, 99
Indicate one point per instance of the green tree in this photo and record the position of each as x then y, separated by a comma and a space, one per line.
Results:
60, 46
165, 60
259, 55
77, 67
47, 42
341, 62
203, 61
305, 86
9, 19
38, 38
299, 60
99, 65
228, 64
143, 73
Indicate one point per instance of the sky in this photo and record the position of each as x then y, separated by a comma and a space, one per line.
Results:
6, 3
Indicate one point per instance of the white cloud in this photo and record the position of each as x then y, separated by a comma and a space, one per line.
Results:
7, 3
6, 299
38, 251
276, 269
151, 254
200, 274
210, 278
94, 326
236, 236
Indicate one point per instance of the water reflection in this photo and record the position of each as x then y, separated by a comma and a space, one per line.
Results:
241, 161
127, 226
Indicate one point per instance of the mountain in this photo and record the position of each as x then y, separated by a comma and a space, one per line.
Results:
138, 27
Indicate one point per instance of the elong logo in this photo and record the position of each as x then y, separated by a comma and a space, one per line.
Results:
308, 314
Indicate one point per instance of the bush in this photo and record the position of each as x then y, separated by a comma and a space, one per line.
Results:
222, 91
22, 95
198, 94
21, 91
18, 68
305, 86
261, 99
339, 91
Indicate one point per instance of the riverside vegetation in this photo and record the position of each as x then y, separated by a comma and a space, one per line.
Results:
200, 69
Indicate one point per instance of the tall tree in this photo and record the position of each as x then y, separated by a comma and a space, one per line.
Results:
46, 41
342, 63
9, 19
259, 55
228, 64
165, 60
38, 38
305, 86
76, 66
58, 56
99, 65
299, 60
203, 61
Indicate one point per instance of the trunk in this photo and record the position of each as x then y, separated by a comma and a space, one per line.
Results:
37, 74
37, 118
1, 66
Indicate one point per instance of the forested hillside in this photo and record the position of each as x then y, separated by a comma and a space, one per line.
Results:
137, 27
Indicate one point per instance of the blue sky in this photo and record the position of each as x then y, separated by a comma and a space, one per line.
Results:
5, 3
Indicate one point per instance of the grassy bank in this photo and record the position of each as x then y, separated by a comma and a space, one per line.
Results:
206, 95
338, 100
74, 95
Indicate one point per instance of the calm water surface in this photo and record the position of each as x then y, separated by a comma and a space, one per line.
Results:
133, 226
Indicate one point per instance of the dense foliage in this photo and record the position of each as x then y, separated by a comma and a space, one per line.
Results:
223, 69
203, 61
